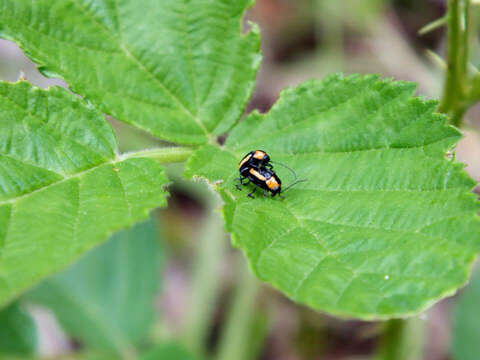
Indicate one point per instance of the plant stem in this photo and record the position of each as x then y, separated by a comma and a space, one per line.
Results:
206, 283
164, 155
237, 339
402, 339
456, 83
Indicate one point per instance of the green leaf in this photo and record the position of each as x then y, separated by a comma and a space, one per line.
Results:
18, 334
106, 299
385, 225
466, 322
63, 189
181, 70
168, 351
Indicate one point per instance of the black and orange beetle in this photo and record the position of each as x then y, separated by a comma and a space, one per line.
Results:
256, 159
263, 178
255, 167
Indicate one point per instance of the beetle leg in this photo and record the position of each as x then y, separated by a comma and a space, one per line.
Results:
251, 193
240, 180
265, 193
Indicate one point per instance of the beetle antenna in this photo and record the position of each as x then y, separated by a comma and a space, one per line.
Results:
285, 166
294, 183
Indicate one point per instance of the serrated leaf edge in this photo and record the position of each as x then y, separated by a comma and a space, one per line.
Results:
189, 173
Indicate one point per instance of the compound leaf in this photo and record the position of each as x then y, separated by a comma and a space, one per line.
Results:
63, 189
181, 70
106, 299
385, 224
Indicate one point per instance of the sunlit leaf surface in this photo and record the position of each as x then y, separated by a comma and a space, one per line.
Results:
385, 224
181, 70
62, 187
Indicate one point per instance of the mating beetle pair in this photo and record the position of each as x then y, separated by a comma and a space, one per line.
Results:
255, 167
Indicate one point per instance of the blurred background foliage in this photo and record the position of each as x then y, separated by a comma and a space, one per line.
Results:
173, 288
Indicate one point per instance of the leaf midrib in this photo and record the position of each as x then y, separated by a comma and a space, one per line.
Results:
236, 150
65, 179
45, 124
123, 47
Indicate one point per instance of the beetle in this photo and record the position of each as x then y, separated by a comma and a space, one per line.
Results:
263, 178
254, 159
256, 167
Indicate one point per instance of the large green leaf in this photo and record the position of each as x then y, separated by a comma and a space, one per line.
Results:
466, 322
106, 299
18, 334
62, 187
181, 69
384, 226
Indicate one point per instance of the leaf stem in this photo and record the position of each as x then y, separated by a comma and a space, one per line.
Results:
210, 253
164, 155
236, 341
433, 25
456, 84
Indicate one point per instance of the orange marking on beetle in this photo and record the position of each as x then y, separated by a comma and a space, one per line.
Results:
244, 160
273, 184
257, 174
259, 155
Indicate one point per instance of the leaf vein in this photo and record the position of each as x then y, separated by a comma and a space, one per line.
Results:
308, 274
294, 125
272, 243
66, 178
124, 192
45, 124
129, 54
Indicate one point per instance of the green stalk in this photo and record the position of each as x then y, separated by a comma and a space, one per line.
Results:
402, 339
237, 341
456, 83
433, 25
164, 155
210, 252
